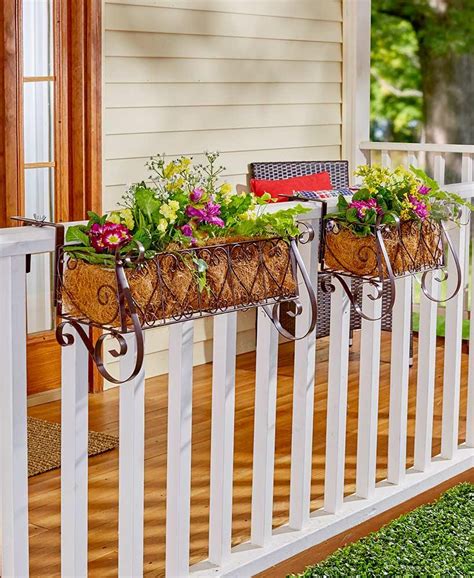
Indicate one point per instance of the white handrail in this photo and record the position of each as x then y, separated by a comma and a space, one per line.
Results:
418, 147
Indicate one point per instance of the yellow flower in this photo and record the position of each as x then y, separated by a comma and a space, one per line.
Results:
126, 216
184, 164
226, 188
168, 210
162, 225
114, 218
170, 170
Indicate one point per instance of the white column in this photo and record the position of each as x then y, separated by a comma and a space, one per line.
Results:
368, 397
337, 399
426, 375
399, 377
178, 486
74, 446
264, 430
303, 398
131, 465
222, 437
452, 352
13, 437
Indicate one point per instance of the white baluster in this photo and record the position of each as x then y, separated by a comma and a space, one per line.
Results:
74, 447
264, 430
426, 374
412, 159
470, 379
399, 375
452, 352
131, 465
368, 397
337, 400
303, 399
222, 437
178, 492
439, 167
13, 448
386, 159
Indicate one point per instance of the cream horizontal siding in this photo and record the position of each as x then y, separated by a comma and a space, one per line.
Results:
258, 80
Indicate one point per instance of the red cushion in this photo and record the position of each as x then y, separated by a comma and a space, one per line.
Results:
315, 182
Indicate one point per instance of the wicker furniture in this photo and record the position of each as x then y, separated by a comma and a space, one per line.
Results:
339, 173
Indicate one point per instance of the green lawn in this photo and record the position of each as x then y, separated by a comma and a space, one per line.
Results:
436, 540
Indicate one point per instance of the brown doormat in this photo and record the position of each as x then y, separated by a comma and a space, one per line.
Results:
44, 445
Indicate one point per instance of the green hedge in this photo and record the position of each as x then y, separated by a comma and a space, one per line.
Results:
436, 540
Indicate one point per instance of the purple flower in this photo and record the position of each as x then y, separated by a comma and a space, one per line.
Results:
196, 195
363, 206
187, 230
217, 221
419, 208
213, 209
424, 190
199, 214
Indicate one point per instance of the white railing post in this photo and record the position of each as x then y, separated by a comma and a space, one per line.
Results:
337, 399
131, 465
303, 399
74, 447
452, 351
178, 485
264, 430
426, 375
399, 375
470, 378
368, 396
222, 437
13, 435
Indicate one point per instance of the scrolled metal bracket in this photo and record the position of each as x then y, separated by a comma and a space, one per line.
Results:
445, 275
127, 311
274, 312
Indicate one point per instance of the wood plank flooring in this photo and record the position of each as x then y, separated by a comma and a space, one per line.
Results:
103, 469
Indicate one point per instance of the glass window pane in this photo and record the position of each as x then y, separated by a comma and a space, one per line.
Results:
37, 38
38, 122
39, 193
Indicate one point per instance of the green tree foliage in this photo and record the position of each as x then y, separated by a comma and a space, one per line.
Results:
396, 97
412, 41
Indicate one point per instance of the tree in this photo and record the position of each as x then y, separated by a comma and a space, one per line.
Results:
444, 31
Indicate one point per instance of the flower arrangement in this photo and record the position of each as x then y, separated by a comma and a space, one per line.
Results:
182, 205
390, 196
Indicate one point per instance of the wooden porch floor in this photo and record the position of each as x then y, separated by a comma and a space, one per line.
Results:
103, 470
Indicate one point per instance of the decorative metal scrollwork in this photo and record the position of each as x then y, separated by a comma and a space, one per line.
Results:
431, 247
260, 272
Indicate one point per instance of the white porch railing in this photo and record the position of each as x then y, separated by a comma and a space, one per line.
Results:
305, 528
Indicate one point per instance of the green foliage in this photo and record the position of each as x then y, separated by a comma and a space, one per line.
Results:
182, 206
433, 540
400, 30
395, 89
388, 197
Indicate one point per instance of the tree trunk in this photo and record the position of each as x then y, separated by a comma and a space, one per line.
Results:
448, 97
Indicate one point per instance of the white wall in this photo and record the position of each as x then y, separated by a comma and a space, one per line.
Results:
255, 79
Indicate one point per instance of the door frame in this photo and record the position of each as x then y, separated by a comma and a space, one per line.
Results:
78, 136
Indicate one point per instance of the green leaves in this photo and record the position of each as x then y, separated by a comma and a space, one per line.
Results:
77, 234
433, 540
146, 202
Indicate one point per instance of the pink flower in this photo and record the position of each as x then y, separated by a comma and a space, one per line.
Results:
217, 221
419, 208
109, 236
424, 190
196, 195
363, 206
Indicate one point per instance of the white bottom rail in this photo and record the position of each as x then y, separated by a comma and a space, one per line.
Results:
285, 542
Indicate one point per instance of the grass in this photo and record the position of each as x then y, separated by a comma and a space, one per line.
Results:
435, 540
440, 325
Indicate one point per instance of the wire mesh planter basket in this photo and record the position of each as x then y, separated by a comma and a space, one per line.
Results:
388, 252
139, 294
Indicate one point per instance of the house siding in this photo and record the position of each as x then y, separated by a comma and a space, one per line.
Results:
257, 80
